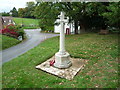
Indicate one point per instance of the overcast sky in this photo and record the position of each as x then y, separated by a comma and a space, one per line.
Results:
7, 5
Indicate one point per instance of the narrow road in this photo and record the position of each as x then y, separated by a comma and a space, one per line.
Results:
34, 38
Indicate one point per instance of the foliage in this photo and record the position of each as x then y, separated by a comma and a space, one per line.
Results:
14, 12
85, 15
21, 12
113, 14
94, 11
12, 31
75, 11
5, 14
7, 42
98, 14
27, 11
20, 31
47, 14
100, 50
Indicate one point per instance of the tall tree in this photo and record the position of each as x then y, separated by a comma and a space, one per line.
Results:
47, 13
27, 12
14, 12
30, 6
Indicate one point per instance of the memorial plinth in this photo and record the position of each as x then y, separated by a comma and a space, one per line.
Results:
67, 73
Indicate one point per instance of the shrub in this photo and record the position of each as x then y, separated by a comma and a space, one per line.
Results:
10, 27
9, 32
21, 32
12, 31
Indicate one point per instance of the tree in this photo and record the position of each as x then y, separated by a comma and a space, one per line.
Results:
113, 14
29, 9
47, 13
94, 11
30, 5
14, 12
86, 15
27, 12
75, 11
5, 14
21, 12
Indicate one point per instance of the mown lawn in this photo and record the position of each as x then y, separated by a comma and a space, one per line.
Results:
101, 71
27, 22
6, 42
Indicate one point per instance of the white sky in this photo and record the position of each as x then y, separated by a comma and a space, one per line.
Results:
7, 5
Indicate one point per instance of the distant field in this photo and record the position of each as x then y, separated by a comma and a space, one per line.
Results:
26, 21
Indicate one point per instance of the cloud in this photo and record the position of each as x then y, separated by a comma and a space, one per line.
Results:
7, 5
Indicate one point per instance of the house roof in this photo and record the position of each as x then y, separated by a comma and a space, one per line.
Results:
7, 20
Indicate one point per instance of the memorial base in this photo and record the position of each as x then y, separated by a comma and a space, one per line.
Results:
62, 61
67, 73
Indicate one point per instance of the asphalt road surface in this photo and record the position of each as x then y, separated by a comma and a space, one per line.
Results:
34, 37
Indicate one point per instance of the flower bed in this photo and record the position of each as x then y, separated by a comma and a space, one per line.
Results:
12, 31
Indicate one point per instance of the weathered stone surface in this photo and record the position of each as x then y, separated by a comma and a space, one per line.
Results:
68, 73
62, 61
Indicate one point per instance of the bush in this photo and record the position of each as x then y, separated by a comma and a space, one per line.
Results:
13, 31
48, 28
21, 33
9, 32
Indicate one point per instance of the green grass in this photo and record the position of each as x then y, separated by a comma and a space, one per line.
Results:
26, 21
101, 71
6, 42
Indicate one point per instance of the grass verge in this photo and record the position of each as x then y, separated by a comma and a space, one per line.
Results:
7, 42
100, 72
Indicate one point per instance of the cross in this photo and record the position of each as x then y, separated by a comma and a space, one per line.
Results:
62, 34
62, 58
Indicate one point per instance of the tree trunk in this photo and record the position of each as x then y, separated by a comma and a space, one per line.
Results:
82, 28
76, 27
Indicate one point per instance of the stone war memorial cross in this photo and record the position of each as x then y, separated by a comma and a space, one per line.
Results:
63, 66
62, 58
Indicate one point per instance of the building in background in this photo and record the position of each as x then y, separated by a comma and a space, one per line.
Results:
8, 20
4, 21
